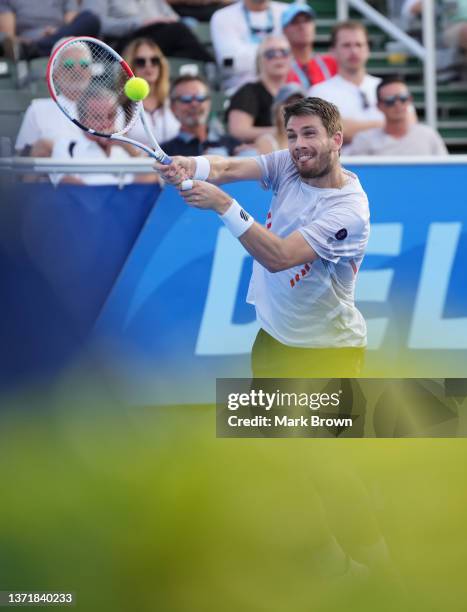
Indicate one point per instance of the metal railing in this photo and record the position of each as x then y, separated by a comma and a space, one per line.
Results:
426, 53
31, 165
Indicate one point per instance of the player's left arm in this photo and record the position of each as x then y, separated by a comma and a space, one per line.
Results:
271, 251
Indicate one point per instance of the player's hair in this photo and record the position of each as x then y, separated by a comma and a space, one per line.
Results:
347, 25
316, 107
387, 80
162, 85
188, 78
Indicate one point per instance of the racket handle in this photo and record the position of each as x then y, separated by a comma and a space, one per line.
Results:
188, 184
166, 160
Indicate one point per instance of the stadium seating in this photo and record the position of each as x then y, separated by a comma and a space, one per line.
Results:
452, 96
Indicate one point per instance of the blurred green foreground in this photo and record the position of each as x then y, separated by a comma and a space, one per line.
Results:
139, 510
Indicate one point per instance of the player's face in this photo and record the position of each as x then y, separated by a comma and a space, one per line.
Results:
74, 73
351, 50
301, 31
394, 101
147, 64
313, 151
191, 103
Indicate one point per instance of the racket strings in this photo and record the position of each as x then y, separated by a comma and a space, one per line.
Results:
90, 82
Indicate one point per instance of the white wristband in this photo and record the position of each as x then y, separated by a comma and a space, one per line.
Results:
203, 168
236, 219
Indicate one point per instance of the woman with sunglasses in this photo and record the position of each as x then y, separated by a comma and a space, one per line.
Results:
249, 113
147, 61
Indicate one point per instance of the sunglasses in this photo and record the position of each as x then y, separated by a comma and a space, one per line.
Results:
70, 63
258, 31
391, 100
273, 53
140, 62
189, 99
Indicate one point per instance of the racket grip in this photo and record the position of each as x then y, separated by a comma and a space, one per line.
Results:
187, 184
166, 160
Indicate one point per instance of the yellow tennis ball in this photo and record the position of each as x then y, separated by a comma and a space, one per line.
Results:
136, 89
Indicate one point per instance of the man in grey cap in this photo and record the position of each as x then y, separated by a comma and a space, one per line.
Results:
308, 68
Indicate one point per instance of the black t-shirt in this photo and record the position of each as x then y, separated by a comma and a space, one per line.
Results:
254, 99
181, 145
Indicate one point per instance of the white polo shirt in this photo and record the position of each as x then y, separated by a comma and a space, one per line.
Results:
356, 102
312, 305
81, 148
44, 120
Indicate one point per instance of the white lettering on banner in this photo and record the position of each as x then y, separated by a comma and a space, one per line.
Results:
217, 334
429, 330
374, 285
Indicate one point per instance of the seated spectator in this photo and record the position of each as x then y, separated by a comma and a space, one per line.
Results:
33, 28
147, 61
201, 10
44, 122
249, 112
298, 23
191, 105
236, 32
98, 112
455, 21
400, 135
123, 20
277, 140
352, 90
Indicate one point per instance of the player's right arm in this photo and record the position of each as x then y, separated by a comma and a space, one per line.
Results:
222, 169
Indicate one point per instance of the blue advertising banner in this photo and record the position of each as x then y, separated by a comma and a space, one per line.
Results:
61, 250
177, 318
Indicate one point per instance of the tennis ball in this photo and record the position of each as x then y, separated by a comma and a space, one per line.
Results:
136, 89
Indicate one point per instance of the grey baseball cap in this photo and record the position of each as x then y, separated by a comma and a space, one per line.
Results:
287, 91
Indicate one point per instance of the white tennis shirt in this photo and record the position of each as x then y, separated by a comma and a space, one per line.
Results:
312, 305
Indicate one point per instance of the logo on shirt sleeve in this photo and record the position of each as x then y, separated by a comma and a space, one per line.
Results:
341, 234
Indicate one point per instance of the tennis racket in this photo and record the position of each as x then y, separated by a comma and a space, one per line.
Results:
86, 79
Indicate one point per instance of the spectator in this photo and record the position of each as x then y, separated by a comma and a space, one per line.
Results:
191, 105
99, 112
236, 32
147, 61
455, 23
352, 90
277, 140
400, 135
201, 10
249, 113
123, 20
298, 23
32, 28
44, 122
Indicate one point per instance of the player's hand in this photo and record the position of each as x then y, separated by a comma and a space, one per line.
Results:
179, 170
207, 196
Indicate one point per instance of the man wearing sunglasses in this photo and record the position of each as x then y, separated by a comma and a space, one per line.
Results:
44, 123
191, 104
400, 135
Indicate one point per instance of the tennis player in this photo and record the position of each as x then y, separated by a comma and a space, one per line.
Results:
307, 255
